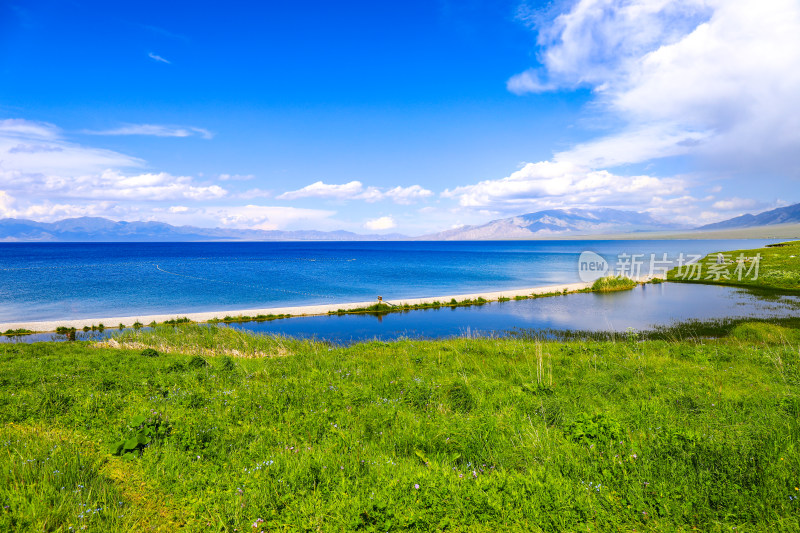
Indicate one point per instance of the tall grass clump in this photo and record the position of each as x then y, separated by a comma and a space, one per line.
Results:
613, 283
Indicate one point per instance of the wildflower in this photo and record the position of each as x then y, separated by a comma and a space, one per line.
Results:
416, 486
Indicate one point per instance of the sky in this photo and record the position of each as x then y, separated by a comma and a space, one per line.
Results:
409, 118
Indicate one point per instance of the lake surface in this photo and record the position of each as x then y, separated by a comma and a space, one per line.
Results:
60, 281
642, 308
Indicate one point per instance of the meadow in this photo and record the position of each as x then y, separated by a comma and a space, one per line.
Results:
778, 268
213, 429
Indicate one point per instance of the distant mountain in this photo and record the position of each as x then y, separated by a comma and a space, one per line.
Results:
555, 222
781, 215
95, 229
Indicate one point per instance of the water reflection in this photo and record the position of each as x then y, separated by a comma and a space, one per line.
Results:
642, 308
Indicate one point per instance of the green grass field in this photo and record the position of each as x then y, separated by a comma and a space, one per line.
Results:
779, 268
224, 431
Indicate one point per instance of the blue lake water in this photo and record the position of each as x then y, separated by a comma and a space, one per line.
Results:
52, 281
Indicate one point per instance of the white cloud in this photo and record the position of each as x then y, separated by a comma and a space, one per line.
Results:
731, 204
156, 130
11, 127
37, 147
254, 193
707, 78
45, 177
267, 217
712, 80
44, 210
550, 184
382, 223
633, 145
37, 163
528, 82
598, 40
158, 58
406, 195
109, 185
323, 190
355, 190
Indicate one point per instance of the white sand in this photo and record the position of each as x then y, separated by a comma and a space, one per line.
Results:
304, 310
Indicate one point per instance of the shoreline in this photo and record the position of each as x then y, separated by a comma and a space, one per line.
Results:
49, 326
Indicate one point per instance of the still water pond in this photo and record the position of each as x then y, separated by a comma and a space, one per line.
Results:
642, 308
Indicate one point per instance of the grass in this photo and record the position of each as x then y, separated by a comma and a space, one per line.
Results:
16, 332
613, 283
383, 308
778, 268
246, 318
251, 433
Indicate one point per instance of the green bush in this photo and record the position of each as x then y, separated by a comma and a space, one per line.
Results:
613, 283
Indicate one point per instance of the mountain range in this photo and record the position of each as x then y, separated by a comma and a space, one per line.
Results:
542, 224
782, 215
96, 229
556, 222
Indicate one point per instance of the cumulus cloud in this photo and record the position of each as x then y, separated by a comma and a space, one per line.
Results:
709, 78
355, 190
109, 185
324, 190
378, 224
45, 177
597, 41
562, 184
36, 162
156, 130
407, 195
44, 210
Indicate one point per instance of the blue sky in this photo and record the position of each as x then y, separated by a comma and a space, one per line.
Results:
383, 118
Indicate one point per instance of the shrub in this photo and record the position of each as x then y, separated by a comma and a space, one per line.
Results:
613, 283
149, 352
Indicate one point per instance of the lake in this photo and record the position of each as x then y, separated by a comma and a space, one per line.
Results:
60, 281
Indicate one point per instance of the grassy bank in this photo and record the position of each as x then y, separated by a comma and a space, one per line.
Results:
778, 268
227, 431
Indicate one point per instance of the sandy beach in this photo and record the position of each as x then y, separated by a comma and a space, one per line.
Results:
303, 310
